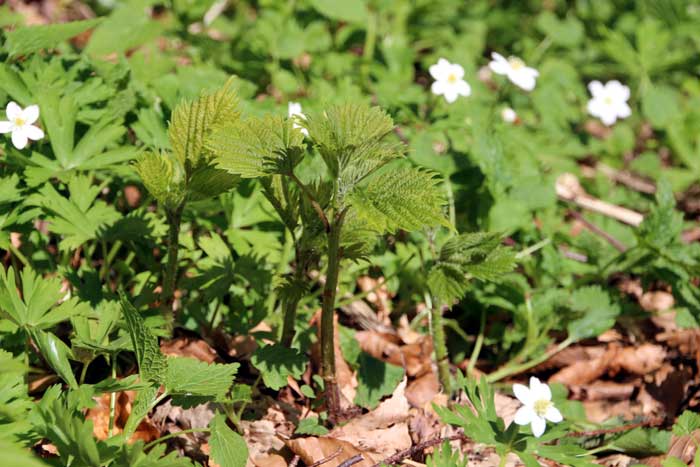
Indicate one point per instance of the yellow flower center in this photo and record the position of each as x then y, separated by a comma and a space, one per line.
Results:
541, 406
19, 121
515, 63
451, 78
608, 100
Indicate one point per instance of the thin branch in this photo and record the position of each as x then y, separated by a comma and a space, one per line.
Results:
352, 461
295, 461
327, 458
606, 431
618, 245
401, 455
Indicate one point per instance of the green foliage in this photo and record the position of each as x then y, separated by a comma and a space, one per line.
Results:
228, 449
276, 363
472, 255
375, 379
29, 39
595, 313
188, 376
444, 456
152, 363
687, 423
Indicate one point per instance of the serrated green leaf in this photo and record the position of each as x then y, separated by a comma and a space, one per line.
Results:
193, 121
143, 403
354, 11
688, 422
29, 39
405, 198
276, 362
376, 379
643, 442
163, 176
152, 363
189, 376
257, 146
228, 448
16, 456
597, 313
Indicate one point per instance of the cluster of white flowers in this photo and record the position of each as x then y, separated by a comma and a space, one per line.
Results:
609, 101
294, 112
19, 124
537, 407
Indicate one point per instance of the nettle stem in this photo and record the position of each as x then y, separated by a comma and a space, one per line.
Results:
174, 217
328, 313
440, 345
289, 308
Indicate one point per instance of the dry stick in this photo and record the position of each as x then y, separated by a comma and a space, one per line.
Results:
401, 455
327, 458
607, 431
352, 461
624, 177
569, 189
617, 244
294, 461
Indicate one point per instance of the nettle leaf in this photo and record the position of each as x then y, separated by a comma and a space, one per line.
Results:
276, 362
597, 313
193, 121
472, 255
29, 39
688, 422
189, 376
152, 363
228, 448
376, 379
663, 225
643, 442
163, 176
350, 135
143, 403
311, 426
208, 182
257, 146
406, 198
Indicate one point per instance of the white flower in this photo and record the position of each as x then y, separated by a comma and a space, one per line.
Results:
294, 112
20, 124
537, 406
449, 80
609, 101
515, 69
508, 115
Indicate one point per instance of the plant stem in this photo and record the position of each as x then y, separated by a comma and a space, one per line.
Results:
83, 372
440, 346
509, 370
317, 207
19, 255
112, 396
327, 316
504, 458
170, 272
174, 435
477, 345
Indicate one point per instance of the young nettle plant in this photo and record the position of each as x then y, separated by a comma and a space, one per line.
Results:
186, 172
462, 258
355, 201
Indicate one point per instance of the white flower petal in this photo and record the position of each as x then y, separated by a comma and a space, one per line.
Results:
618, 90
456, 70
524, 415
531, 71
538, 425
608, 116
441, 70
450, 94
523, 80
438, 87
553, 415
34, 133
6, 127
498, 57
623, 110
13, 111
595, 88
463, 88
522, 392
293, 108
539, 390
499, 66
30, 114
19, 138
595, 107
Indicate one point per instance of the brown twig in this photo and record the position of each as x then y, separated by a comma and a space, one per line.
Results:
618, 429
401, 455
294, 461
624, 177
352, 461
328, 458
617, 244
